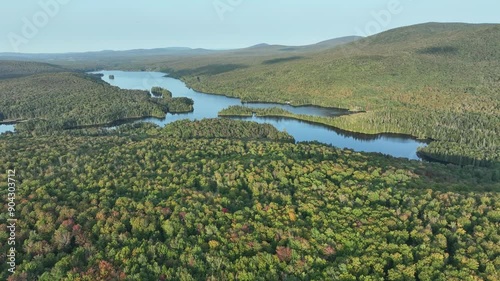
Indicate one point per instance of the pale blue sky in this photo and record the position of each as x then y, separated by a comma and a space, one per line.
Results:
90, 25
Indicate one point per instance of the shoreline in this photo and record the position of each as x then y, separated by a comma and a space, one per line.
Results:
348, 112
362, 135
114, 123
264, 102
12, 121
429, 158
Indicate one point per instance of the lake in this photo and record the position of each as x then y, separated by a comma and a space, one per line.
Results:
209, 105
6, 128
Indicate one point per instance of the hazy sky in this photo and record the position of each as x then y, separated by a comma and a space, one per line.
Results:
37, 26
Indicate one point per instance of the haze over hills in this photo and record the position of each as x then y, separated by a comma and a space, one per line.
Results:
408, 80
327, 44
433, 80
12, 69
105, 54
171, 51
222, 199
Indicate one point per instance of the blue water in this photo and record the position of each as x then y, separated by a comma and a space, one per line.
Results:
6, 128
208, 106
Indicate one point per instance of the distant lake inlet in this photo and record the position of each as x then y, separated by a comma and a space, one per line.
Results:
209, 105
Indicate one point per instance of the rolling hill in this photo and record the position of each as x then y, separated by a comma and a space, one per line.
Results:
220, 199
12, 69
437, 81
44, 97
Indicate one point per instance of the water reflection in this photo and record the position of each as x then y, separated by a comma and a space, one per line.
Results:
208, 106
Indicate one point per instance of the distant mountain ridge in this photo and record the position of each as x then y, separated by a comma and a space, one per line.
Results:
435, 80
103, 54
169, 51
14, 69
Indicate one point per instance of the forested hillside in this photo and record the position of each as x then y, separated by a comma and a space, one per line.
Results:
140, 203
64, 100
12, 69
221, 199
437, 81
484, 144
225, 128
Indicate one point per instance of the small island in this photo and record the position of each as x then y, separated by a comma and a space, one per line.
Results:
172, 105
111, 77
243, 111
161, 92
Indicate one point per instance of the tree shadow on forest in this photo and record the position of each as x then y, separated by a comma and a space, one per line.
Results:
439, 50
278, 60
211, 69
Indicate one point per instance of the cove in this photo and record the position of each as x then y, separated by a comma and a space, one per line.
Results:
209, 105
7, 128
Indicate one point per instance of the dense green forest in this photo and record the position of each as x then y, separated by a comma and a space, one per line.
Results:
62, 100
483, 143
180, 105
145, 203
433, 81
160, 92
172, 105
13, 69
239, 110
225, 128
437, 81
222, 199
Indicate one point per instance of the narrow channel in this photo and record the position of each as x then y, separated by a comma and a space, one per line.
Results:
209, 105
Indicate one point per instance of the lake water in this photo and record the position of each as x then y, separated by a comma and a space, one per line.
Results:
6, 128
208, 106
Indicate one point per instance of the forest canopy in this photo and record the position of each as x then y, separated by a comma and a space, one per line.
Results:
221, 199
145, 203
433, 81
64, 100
